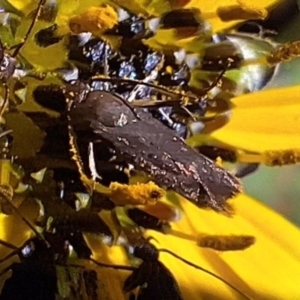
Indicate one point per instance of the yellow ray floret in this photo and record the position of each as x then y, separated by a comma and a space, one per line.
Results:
264, 121
241, 11
254, 271
95, 20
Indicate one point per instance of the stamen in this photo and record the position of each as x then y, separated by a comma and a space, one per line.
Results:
226, 242
135, 194
279, 158
271, 158
284, 53
243, 11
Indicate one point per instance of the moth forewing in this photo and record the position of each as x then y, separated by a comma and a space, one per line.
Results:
141, 140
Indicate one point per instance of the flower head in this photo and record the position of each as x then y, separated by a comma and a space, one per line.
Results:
134, 240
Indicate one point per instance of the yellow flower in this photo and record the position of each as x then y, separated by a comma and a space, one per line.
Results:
264, 127
253, 271
95, 20
261, 127
211, 9
219, 15
274, 258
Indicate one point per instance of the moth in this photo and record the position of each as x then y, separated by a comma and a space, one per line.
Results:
133, 135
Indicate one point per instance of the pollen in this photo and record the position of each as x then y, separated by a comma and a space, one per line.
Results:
280, 158
226, 242
242, 11
219, 161
95, 20
284, 53
135, 194
169, 70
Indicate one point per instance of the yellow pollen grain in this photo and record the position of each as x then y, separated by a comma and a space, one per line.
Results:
135, 194
242, 11
284, 53
95, 20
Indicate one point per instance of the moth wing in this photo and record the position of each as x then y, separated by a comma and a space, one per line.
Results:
154, 149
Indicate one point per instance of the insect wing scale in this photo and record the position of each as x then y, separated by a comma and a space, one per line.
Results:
150, 147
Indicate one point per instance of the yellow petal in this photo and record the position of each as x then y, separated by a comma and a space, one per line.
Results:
14, 230
209, 7
21, 5
110, 281
264, 121
95, 20
269, 269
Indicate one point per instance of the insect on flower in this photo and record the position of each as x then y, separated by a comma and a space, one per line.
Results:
35, 276
154, 279
102, 120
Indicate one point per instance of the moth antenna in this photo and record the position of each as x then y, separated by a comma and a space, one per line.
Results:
161, 89
8, 256
116, 267
35, 17
13, 253
205, 271
8, 245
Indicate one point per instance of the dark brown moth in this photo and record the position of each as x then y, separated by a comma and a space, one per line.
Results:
133, 134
